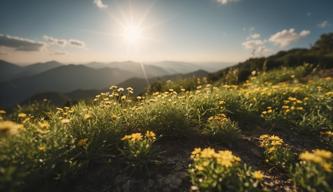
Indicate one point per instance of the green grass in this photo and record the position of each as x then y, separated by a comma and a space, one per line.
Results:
71, 148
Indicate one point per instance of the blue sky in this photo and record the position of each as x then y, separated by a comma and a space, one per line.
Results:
184, 30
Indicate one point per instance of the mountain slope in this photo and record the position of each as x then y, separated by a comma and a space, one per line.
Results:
176, 67
39, 68
8, 70
320, 56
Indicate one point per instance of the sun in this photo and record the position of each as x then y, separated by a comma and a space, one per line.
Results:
133, 33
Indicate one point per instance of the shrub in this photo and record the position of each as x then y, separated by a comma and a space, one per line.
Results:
282, 74
212, 170
276, 152
313, 123
221, 127
314, 171
137, 145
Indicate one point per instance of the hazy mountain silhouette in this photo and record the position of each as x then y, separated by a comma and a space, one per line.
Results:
139, 85
61, 79
39, 68
136, 68
177, 67
8, 70
157, 69
18, 83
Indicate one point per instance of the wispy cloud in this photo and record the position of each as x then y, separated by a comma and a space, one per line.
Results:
323, 24
100, 4
256, 45
19, 43
76, 43
255, 36
55, 41
224, 2
63, 42
282, 39
286, 37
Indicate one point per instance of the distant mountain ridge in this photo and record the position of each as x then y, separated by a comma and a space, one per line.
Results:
138, 84
140, 70
18, 83
10, 71
36, 68
61, 79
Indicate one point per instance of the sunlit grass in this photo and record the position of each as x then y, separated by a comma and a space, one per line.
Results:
59, 145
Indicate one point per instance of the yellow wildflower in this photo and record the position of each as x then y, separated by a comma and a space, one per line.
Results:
219, 117
308, 156
87, 116
42, 148
22, 115
207, 153
150, 135
9, 128
134, 137
65, 121
323, 153
126, 137
195, 153
123, 97
300, 108
322, 158
328, 134
43, 124
82, 142
226, 158
327, 167
258, 175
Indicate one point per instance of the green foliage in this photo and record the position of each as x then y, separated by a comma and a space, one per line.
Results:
212, 170
222, 128
137, 151
58, 146
276, 152
314, 172
281, 75
137, 145
185, 84
325, 43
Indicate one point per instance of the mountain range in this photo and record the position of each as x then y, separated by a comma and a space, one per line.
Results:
19, 83
67, 82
